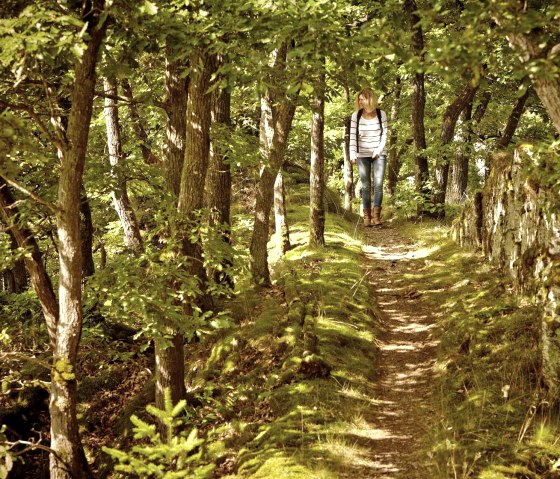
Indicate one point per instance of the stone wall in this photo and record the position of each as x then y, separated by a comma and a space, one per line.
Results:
515, 221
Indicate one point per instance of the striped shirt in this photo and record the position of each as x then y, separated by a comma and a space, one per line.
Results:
371, 141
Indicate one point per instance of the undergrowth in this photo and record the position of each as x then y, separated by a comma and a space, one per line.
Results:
288, 392
497, 420
287, 389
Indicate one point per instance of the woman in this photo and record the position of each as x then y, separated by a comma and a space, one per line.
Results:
368, 136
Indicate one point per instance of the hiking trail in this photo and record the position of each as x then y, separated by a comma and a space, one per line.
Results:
407, 356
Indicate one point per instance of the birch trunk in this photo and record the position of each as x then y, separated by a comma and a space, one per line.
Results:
280, 215
119, 194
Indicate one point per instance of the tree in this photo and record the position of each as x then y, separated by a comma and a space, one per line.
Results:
450, 117
534, 37
422, 174
317, 174
278, 108
119, 193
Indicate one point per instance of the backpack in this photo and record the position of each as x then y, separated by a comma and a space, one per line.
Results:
360, 111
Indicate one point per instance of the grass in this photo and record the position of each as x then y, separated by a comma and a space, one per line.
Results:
287, 392
497, 421
294, 395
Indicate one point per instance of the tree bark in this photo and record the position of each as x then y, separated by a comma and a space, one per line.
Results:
219, 180
119, 193
459, 171
149, 157
176, 87
537, 46
317, 172
482, 107
277, 113
197, 152
280, 215
348, 170
450, 118
171, 360
14, 278
513, 121
394, 160
68, 460
422, 173
170, 368
86, 227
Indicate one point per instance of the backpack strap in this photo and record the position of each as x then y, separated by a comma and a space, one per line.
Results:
360, 111
378, 111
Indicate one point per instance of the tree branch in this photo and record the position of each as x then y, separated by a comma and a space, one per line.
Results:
51, 206
35, 117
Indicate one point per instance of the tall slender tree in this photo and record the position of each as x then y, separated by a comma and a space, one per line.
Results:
422, 172
317, 173
117, 161
278, 112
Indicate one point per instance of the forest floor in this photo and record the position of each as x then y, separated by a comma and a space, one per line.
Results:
405, 369
391, 353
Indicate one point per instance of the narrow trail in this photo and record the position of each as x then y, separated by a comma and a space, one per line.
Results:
405, 369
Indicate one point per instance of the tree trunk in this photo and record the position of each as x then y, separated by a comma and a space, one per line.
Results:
68, 460
147, 153
277, 113
317, 173
267, 177
15, 278
197, 152
457, 187
280, 215
176, 87
482, 107
450, 118
219, 181
170, 360
40, 279
119, 194
513, 121
348, 170
86, 226
422, 173
394, 160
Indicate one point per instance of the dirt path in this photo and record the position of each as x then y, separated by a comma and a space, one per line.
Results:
405, 380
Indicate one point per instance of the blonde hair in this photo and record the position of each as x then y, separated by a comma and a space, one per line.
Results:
370, 99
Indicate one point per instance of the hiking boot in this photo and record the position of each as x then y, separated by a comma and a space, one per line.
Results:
367, 217
376, 216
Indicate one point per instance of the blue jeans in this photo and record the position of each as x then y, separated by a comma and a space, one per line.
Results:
364, 170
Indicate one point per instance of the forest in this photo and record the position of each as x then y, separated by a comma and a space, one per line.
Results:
187, 287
